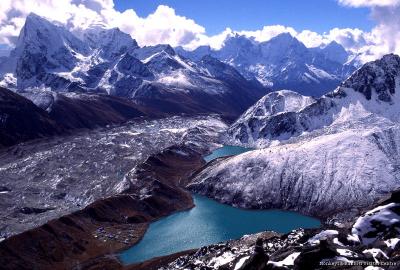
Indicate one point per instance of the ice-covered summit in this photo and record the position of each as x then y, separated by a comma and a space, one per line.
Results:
43, 49
283, 62
370, 91
111, 42
334, 52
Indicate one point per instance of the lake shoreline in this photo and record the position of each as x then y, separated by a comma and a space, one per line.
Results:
210, 222
82, 226
92, 236
222, 152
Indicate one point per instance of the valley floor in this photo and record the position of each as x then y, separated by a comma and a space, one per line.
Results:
45, 179
100, 213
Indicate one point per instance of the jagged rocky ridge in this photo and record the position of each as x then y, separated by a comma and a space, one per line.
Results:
283, 62
330, 158
371, 241
21, 120
107, 61
251, 126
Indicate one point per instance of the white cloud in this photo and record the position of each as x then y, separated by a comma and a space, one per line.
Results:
215, 42
162, 26
351, 38
268, 32
385, 37
310, 38
369, 3
387, 32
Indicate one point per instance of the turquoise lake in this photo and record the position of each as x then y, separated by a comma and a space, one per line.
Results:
226, 150
209, 222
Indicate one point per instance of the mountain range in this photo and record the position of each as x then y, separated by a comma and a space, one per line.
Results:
107, 61
283, 62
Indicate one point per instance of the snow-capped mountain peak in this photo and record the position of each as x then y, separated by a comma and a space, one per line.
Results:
369, 92
282, 62
111, 41
334, 52
285, 40
43, 49
39, 34
251, 126
379, 78
283, 46
237, 43
279, 102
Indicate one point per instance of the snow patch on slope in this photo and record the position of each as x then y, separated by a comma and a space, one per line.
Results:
368, 227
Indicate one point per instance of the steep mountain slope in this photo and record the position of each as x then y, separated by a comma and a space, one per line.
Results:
108, 61
37, 114
333, 51
332, 157
43, 53
109, 43
78, 110
250, 127
283, 62
21, 120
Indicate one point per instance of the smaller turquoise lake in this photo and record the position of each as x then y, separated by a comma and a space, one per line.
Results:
226, 150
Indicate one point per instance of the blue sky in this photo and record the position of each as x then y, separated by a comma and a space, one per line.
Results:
215, 15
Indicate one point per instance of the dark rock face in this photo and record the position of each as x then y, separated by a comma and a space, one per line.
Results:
21, 120
132, 66
56, 114
90, 111
257, 261
378, 77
